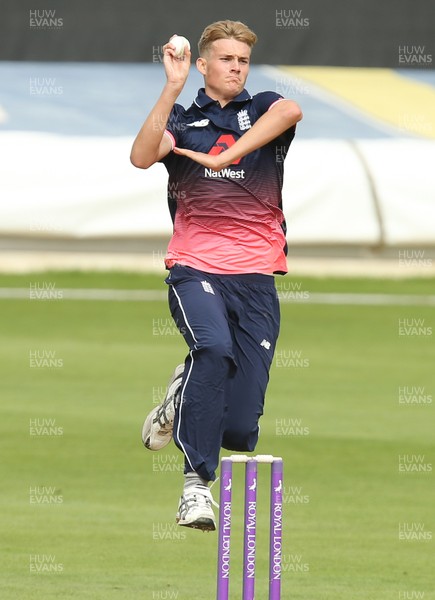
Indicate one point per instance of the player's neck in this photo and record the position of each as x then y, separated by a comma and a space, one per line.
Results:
215, 95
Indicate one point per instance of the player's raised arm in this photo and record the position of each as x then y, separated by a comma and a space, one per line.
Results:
151, 144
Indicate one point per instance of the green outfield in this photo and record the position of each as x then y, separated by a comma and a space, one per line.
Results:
88, 513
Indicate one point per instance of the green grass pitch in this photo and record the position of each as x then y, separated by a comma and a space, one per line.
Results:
88, 513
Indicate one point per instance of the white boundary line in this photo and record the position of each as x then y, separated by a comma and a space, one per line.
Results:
292, 297
358, 299
57, 294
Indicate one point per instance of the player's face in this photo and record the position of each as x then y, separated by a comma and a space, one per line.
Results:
225, 68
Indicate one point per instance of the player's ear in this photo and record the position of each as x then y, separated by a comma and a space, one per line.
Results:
201, 65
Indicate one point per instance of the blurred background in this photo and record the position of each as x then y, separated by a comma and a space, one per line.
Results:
77, 81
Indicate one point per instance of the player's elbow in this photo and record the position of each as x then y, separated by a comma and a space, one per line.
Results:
140, 162
291, 112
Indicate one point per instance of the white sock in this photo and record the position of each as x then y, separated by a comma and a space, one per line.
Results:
192, 478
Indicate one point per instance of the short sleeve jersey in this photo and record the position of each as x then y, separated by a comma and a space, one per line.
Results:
230, 221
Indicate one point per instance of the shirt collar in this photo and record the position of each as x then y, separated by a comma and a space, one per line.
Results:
202, 100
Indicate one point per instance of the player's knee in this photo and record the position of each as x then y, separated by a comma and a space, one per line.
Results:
240, 438
216, 358
217, 350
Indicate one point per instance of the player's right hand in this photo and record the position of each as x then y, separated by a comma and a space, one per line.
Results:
176, 68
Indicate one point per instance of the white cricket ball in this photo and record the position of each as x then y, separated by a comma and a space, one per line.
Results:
180, 43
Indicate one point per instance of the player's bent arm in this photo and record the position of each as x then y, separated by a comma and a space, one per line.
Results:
151, 145
280, 117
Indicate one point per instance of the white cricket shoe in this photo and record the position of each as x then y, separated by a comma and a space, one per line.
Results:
195, 508
158, 426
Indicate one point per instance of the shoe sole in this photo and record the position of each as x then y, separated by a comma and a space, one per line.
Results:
203, 523
146, 434
166, 437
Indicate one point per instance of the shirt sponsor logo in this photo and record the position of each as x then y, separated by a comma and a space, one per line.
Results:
224, 142
226, 173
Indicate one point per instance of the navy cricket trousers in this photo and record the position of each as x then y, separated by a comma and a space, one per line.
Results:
230, 324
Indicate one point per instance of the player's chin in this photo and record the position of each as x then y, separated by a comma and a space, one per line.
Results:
236, 86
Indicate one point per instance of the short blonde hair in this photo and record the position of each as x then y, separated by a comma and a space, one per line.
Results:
225, 30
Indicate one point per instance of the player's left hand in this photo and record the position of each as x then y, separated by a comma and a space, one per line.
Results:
216, 163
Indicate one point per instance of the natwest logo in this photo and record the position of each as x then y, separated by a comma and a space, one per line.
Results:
226, 173
224, 142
